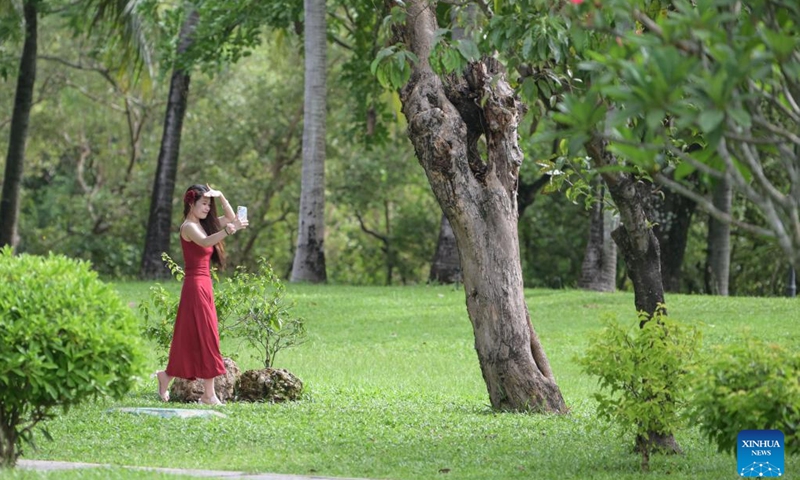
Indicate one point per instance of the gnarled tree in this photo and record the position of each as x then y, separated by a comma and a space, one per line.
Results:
447, 116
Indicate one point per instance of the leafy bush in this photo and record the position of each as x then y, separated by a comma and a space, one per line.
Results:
66, 337
643, 371
262, 315
749, 385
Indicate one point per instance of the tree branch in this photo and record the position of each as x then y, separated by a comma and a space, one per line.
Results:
733, 173
787, 110
343, 22
776, 129
377, 235
791, 162
750, 157
341, 43
91, 97
708, 206
698, 165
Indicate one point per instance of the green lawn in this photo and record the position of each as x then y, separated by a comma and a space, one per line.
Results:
395, 391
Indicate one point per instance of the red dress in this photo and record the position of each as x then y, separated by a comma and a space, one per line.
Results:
194, 352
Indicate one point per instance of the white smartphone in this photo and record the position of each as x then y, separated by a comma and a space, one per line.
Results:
241, 212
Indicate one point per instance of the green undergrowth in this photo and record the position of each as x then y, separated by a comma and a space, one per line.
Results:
394, 391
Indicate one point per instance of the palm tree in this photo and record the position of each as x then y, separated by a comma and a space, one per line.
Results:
118, 21
309, 259
23, 100
158, 225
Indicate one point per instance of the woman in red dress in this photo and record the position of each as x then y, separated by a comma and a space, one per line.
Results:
194, 352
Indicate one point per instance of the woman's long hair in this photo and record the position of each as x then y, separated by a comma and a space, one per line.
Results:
210, 224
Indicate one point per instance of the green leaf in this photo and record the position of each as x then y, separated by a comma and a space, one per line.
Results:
451, 60
388, 51
529, 89
782, 44
683, 170
640, 156
741, 117
710, 120
468, 50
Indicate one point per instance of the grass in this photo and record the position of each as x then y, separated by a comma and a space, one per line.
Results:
394, 391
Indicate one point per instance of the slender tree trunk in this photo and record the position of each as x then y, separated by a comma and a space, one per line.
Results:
639, 247
599, 268
309, 259
160, 220
672, 216
389, 246
20, 118
8, 439
718, 253
445, 267
478, 196
635, 238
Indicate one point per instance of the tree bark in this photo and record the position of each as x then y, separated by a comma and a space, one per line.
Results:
635, 238
309, 257
599, 268
718, 253
8, 439
160, 220
478, 196
445, 267
20, 118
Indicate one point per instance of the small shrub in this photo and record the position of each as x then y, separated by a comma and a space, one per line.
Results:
65, 336
262, 315
749, 385
642, 375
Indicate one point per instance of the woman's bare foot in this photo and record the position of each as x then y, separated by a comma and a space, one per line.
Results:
163, 385
214, 401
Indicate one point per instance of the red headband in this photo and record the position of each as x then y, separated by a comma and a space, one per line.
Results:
190, 197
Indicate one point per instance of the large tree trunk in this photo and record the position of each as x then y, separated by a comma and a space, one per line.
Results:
671, 215
478, 196
639, 247
718, 253
158, 225
446, 267
15, 158
599, 268
309, 258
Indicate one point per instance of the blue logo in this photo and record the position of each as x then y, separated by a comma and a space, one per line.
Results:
759, 453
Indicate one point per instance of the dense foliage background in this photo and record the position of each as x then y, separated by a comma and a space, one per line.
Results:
95, 135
